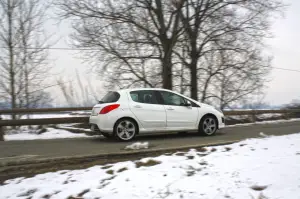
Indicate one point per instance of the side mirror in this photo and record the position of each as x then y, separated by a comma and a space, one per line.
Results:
188, 103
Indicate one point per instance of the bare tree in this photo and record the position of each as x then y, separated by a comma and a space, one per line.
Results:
135, 38
228, 79
23, 58
86, 95
230, 25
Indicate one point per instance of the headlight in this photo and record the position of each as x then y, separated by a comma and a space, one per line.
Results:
219, 110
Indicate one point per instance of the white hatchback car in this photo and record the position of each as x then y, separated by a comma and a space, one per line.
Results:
125, 113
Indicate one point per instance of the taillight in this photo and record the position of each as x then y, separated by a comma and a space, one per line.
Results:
109, 108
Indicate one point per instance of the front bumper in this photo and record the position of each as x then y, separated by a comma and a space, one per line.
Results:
221, 121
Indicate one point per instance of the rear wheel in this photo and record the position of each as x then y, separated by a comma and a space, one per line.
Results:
208, 125
125, 129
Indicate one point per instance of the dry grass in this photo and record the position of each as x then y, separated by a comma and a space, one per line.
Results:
180, 154
83, 192
213, 150
149, 163
190, 173
122, 169
203, 163
27, 193
106, 167
228, 148
111, 172
260, 196
202, 149
259, 187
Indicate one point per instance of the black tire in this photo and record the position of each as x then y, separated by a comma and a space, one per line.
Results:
208, 125
125, 129
106, 135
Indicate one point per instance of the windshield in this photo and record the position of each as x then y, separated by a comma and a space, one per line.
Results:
110, 97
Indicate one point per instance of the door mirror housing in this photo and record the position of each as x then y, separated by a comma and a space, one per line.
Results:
188, 103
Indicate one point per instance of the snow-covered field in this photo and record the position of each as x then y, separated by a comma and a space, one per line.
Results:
51, 133
251, 169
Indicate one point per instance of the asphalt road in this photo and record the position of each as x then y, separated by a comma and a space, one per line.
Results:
37, 149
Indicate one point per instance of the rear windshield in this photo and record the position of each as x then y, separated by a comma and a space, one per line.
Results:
110, 97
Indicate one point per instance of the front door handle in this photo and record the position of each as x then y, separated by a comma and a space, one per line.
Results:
170, 108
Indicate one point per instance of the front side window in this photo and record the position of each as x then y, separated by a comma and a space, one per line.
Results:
110, 97
143, 96
172, 99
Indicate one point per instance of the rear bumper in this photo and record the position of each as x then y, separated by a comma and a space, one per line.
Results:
101, 123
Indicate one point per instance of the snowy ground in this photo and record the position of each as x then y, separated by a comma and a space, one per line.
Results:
266, 122
50, 115
51, 133
268, 167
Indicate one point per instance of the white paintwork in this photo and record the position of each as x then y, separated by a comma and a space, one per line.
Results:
153, 117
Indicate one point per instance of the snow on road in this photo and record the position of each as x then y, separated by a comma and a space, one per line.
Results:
268, 167
51, 133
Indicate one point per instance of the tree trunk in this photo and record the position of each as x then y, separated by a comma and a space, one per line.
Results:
194, 78
167, 76
11, 58
167, 69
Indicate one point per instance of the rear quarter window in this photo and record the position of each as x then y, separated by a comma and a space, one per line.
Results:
110, 97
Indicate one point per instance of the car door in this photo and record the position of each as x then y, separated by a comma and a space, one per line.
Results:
179, 115
148, 111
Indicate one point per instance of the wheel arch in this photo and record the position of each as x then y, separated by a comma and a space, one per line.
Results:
209, 114
130, 118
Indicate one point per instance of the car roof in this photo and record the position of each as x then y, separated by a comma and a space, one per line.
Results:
136, 89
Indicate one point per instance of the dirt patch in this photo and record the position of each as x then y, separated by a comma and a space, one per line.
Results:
27, 193
190, 157
149, 163
122, 169
213, 150
83, 192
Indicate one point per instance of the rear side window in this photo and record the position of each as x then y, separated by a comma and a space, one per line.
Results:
110, 97
145, 96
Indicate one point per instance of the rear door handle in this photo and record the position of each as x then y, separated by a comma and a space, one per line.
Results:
137, 106
170, 108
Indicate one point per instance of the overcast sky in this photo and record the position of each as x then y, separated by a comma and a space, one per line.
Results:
284, 86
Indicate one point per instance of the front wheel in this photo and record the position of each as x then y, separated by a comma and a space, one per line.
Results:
125, 129
208, 126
